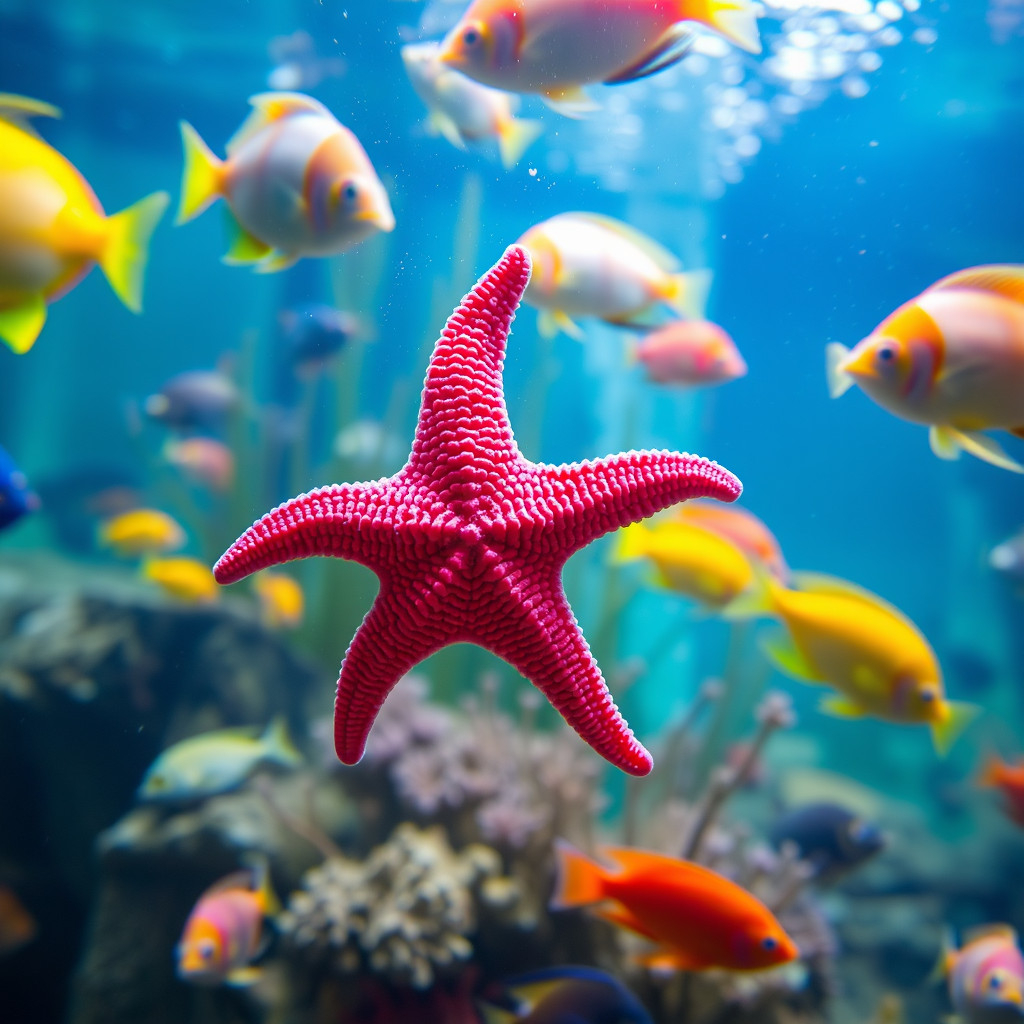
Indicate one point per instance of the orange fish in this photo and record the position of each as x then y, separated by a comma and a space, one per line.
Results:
17, 926
690, 353
698, 919
224, 932
1009, 780
741, 527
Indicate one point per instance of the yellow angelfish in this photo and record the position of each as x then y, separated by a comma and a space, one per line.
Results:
185, 578
688, 559
141, 531
53, 229
281, 600
844, 637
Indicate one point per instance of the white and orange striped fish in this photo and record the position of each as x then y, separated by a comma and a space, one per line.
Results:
297, 182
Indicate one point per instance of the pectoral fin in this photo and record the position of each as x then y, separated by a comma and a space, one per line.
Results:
786, 657
947, 443
841, 707
570, 102
276, 261
672, 47
244, 976
445, 126
550, 322
20, 325
243, 247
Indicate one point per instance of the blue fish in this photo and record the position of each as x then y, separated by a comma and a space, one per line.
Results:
15, 497
313, 334
833, 839
567, 995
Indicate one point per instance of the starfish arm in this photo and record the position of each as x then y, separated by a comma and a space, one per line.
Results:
345, 520
593, 498
463, 436
399, 631
535, 631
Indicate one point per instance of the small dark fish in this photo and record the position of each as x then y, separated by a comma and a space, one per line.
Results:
198, 399
833, 839
314, 334
566, 995
15, 497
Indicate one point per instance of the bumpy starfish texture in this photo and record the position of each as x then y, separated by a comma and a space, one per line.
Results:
469, 538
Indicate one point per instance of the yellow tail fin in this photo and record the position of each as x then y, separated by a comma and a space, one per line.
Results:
514, 136
580, 881
687, 293
20, 325
945, 733
202, 178
737, 21
126, 249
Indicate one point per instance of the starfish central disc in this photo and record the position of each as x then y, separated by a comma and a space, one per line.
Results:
469, 538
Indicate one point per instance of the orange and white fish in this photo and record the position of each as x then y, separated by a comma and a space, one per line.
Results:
692, 353
952, 358
297, 183
741, 527
585, 264
840, 635
203, 460
281, 600
53, 229
185, 578
555, 47
463, 110
697, 918
225, 933
141, 531
985, 976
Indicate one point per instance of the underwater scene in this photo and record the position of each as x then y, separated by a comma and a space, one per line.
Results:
511, 511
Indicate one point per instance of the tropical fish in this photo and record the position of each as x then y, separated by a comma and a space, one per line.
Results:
952, 358
585, 264
691, 353
17, 926
203, 461
567, 995
184, 578
53, 229
555, 47
281, 600
225, 932
828, 836
463, 110
741, 527
1009, 780
689, 559
200, 399
216, 762
16, 499
842, 636
697, 918
142, 531
313, 335
985, 976
296, 181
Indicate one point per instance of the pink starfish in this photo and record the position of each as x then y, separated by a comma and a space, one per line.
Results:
469, 538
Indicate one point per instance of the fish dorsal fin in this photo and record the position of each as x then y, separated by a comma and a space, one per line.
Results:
18, 110
660, 255
269, 107
236, 880
819, 583
990, 931
1005, 279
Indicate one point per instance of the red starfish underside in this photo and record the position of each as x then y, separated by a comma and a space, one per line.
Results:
469, 538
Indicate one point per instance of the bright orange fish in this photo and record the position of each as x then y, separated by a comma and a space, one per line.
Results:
741, 527
698, 919
1009, 780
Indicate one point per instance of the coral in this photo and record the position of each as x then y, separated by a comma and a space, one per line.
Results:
406, 911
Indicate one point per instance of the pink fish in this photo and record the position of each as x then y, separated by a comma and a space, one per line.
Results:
691, 353
986, 975
204, 461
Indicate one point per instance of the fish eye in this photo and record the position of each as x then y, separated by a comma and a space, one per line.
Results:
349, 192
994, 982
769, 943
927, 694
206, 949
472, 36
886, 353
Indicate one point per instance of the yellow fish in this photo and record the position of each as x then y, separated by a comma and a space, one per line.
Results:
53, 229
281, 600
842, 636
187, 579
142, 531
688, 559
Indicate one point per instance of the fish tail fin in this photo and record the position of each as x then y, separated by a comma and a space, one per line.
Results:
945, 733
514, 137
203, 177
580, 881
262, 886
630, 544
946, 958
20, 325
277, 744
839, 381
126, 249
687, 293
947, 442
736, 20
758, 599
